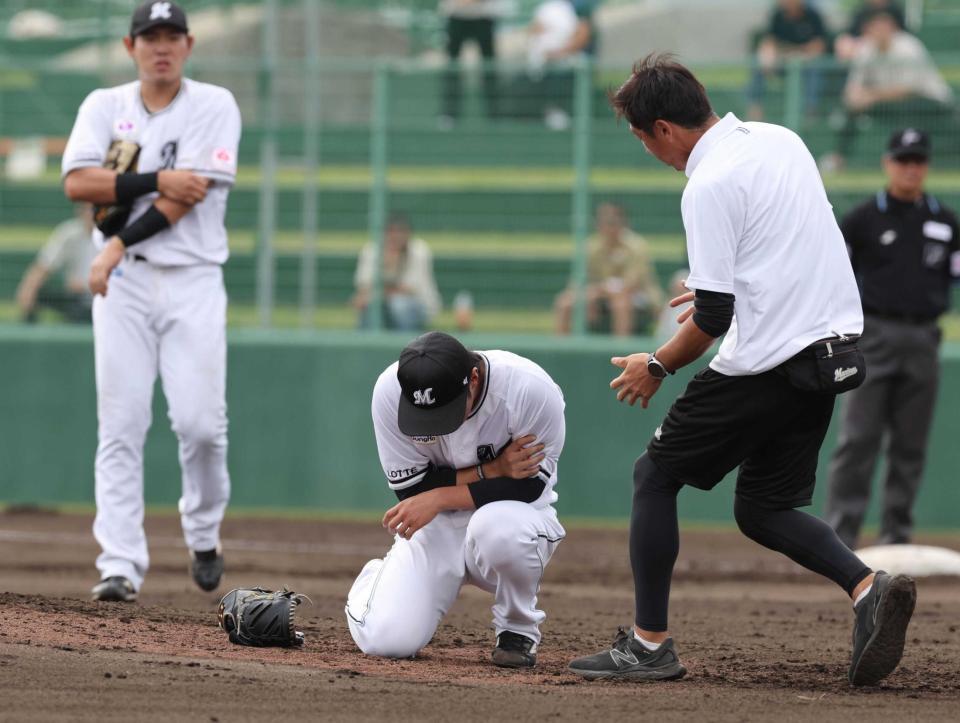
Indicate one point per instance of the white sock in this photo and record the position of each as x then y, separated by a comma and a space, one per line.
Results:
645, 643
863, 594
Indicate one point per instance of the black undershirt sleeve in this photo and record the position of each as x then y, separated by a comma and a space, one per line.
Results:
435, 477
713, 312
483, 491
151, 222
505, 488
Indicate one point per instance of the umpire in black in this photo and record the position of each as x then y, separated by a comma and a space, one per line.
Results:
904, 246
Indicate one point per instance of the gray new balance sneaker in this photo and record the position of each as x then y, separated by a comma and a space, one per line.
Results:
206, 567
114, 589
629, 660
880, 628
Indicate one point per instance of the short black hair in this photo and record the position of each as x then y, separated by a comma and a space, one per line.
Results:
659, 88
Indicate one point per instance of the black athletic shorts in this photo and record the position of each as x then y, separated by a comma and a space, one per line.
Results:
760, 423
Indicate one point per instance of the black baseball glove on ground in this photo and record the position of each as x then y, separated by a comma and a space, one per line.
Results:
261, 618
122, 157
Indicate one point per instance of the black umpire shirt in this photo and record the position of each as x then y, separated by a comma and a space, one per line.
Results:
902, 254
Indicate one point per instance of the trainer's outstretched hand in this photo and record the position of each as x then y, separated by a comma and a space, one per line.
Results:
679, 301
634, 381
103, 265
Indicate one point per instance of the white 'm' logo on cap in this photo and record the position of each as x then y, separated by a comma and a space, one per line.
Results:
424, 397
910, 136
160, 10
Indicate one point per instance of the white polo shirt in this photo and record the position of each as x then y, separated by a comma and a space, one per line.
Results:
759, 226
199, 131
518, 398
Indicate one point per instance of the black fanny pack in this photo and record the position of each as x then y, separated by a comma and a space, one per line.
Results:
828, 366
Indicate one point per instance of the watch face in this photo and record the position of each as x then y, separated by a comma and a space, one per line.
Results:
655, 369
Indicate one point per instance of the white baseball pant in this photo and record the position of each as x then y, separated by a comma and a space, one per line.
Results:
170, 320
396, 603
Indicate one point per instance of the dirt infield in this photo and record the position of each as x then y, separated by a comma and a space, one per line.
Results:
762, 640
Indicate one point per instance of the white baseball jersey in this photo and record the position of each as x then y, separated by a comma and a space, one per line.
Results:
198, 131
518, 398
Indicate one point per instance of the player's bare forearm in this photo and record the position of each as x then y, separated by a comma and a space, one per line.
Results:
455, 498
686, 346
93, 185
172, 210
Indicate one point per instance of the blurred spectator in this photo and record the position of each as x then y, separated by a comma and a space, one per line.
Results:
469, 20
847, 44
796, 31
667, 321
561, 30
410, 295
892, 78
621, 292
69, 250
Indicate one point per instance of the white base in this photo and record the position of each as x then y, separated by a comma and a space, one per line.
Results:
914, 560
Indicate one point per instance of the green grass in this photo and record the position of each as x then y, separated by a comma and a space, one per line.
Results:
512, 177
454, 244
534, 321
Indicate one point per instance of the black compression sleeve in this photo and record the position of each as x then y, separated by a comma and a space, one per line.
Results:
435, 477
505, 488
130, 186
713, 312
150, 223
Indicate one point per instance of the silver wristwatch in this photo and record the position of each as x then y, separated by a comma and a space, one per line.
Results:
655, 367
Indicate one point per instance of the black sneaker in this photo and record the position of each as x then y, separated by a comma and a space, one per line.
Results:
630, 660
206, 568
880, 628
114, 589
514, 651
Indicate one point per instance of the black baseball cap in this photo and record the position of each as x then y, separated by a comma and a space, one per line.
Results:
909, 142
434, 375
154, 13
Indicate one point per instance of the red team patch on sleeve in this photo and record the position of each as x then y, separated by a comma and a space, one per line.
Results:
223, 160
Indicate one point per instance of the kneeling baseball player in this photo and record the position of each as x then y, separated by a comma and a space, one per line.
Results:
469, 442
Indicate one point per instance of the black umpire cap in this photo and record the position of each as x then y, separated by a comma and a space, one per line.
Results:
909, 142
154, 13
434, 374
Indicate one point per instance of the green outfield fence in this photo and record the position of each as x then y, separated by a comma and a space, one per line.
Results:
344, 124
301, 436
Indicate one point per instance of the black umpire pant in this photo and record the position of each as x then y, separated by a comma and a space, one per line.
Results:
895, 402
459, 31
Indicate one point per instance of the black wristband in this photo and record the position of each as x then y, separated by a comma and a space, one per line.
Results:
151, 222
130, 186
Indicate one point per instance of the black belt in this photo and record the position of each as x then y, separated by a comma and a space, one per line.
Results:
904, 317
136, 257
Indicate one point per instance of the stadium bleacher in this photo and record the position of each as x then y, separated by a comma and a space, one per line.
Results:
507, 178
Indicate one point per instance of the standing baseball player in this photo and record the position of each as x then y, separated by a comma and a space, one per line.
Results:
158, 158
769, 269
905, 249
469, 442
